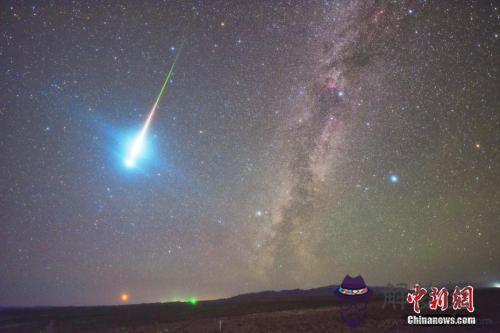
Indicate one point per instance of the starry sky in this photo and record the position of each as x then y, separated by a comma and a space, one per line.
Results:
297, 142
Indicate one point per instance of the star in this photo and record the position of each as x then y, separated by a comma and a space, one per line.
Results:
393, 178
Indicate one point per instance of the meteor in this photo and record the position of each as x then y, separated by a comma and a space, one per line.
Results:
138, 143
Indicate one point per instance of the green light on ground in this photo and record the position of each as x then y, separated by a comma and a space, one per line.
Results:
192, 301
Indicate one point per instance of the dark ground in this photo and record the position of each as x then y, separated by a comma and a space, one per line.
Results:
283, 313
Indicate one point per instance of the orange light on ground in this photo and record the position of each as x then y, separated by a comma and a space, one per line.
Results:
124, 297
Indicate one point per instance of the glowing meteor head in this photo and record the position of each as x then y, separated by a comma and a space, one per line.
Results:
129, 163
135, 151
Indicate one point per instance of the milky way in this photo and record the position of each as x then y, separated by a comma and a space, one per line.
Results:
301, 142
305, 235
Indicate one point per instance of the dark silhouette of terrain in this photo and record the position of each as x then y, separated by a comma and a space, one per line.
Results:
313, 310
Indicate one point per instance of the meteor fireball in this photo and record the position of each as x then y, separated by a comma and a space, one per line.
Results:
137, 146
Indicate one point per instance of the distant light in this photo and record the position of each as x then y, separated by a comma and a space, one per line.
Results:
192, 301
478, 145
341, 93
124, 297
222, 24
394, 178
258, 213
410, 11
496, 285
172, 48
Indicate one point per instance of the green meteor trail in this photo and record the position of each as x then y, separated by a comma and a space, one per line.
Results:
138, 143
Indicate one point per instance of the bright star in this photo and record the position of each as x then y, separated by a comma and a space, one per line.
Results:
394, 178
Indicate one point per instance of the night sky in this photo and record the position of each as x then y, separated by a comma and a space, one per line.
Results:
297, 142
